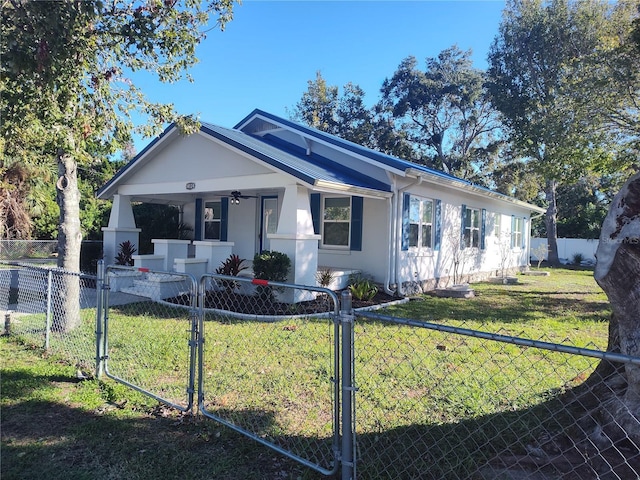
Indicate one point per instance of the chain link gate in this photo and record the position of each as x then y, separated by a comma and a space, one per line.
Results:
266, 354
161, 363
269, 365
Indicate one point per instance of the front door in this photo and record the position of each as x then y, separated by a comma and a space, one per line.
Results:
269, 220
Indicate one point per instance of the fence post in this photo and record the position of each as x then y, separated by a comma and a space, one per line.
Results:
348, 438
47, 332
99, 315
7, 323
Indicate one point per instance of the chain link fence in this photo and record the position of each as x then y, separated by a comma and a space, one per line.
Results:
150, 329
442, 402
36, 309
269, 365
291, 368
23, 249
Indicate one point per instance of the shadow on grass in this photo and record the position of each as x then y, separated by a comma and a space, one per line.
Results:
44, 439
53, 440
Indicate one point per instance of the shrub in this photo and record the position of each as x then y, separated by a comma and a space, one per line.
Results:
125, 254
272, 266
577, 259
362, 288
325, 277
232, 266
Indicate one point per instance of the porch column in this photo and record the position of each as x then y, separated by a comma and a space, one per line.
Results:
122, 227
296, 238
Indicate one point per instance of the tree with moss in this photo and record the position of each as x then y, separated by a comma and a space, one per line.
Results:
66, 92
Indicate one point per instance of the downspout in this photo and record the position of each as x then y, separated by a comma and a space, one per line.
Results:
398, 238
391, 250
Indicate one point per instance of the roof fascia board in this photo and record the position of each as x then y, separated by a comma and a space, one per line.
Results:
330, 187
461, 185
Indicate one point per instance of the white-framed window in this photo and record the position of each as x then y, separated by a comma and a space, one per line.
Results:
471, 232
212, 220
420, 233
336, 222
517, 229
497, 225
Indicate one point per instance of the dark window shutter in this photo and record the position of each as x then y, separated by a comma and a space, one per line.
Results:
438, 225
224, 219
483, 229
405, 221
463, 219
314, 203
356, 223
197, 224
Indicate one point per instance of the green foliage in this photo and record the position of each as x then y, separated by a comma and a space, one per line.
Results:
362, 288
64, 95
232, 266
325, 276
577, 258
126, 250
271, 265
445, 112
158, 221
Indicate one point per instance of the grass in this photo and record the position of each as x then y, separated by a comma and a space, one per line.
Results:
426, 401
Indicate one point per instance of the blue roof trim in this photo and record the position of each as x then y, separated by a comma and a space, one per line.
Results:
387, 160
214, 132
340, 172
126, 167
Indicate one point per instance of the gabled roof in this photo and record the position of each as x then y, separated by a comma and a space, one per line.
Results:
256, 136
265, 120
310, 169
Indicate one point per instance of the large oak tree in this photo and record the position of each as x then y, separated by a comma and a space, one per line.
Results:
556, 105
66, 91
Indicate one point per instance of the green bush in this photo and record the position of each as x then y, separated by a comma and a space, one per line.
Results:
273, 266
362, 288
231, 267
577, 259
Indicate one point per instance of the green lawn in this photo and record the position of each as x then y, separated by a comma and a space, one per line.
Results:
416, 387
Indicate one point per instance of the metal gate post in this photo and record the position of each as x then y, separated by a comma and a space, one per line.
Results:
348, 434
99, 319
47, 332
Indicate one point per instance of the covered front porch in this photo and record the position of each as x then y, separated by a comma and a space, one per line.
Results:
225, 223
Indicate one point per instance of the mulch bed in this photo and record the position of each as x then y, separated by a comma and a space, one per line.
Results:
257, 305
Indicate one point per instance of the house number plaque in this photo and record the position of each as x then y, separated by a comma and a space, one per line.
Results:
191, 186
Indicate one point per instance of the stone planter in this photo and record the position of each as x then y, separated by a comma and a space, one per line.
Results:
462, 290
507, 280
122, 279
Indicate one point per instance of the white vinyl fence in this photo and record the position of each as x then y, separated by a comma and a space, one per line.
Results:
569, 247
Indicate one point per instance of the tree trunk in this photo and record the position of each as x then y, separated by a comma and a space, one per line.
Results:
66, 310
551, 222
618, 273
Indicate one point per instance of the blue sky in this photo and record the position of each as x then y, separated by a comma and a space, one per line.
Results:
267, 54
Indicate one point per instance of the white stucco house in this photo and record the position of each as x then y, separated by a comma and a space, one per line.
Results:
271, 184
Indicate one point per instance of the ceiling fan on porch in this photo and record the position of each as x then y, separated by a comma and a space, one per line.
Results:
236, 195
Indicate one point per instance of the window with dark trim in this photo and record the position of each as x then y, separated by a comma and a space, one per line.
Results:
336, 222
471, 227
212, 220
421, 229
